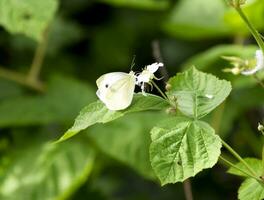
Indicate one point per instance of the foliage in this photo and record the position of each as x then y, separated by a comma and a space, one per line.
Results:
52, 52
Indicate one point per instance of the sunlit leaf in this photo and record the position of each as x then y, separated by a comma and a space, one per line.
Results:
181, 148
197, 93
97, 112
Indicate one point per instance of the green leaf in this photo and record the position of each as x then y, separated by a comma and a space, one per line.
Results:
97, 112
251, 189
196, 19
30, 17
144, 4
181, 148
197, 93
47, 108
203, 19
47, 172
254, 163
127, 139
246, 189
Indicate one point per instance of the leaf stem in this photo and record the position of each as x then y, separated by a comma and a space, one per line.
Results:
252, 29
238, 157
160, 91
37, 62
259, 81
21, 79
234, 166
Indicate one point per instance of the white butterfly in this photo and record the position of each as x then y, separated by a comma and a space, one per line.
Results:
116, 89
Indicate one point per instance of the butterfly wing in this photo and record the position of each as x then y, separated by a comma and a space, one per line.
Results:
116, 90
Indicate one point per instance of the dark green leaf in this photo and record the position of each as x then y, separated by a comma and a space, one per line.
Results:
47, 172
64, 98
127, 139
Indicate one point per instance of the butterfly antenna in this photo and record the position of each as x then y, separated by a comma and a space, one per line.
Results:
132, 63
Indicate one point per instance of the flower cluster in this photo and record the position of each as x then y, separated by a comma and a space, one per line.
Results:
147, 75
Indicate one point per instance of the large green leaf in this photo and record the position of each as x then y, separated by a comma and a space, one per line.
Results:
97, 112
181, 148
47, 172
127, 139
62, 102
197, 93
146, 4
250, 189
30, 17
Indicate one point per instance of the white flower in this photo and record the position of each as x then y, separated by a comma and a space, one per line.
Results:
147, 75
259, 64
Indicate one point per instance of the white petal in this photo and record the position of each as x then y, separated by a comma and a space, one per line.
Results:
144, 77
259, 65
154, 67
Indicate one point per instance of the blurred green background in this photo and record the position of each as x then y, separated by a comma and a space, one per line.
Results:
52, 52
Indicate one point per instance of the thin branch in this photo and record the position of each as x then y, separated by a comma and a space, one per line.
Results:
21, 79
158, 58
188, 189
37, 62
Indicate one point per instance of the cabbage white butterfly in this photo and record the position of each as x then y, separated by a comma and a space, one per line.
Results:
116, 89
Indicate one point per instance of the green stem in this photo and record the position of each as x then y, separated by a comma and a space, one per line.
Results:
21, 79
238, 157
37, 62
160, 91
234, 166
252, 29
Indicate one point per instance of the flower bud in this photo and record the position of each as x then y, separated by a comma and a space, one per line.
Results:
261, 128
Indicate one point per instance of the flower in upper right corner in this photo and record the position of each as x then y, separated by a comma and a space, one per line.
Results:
245, 67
